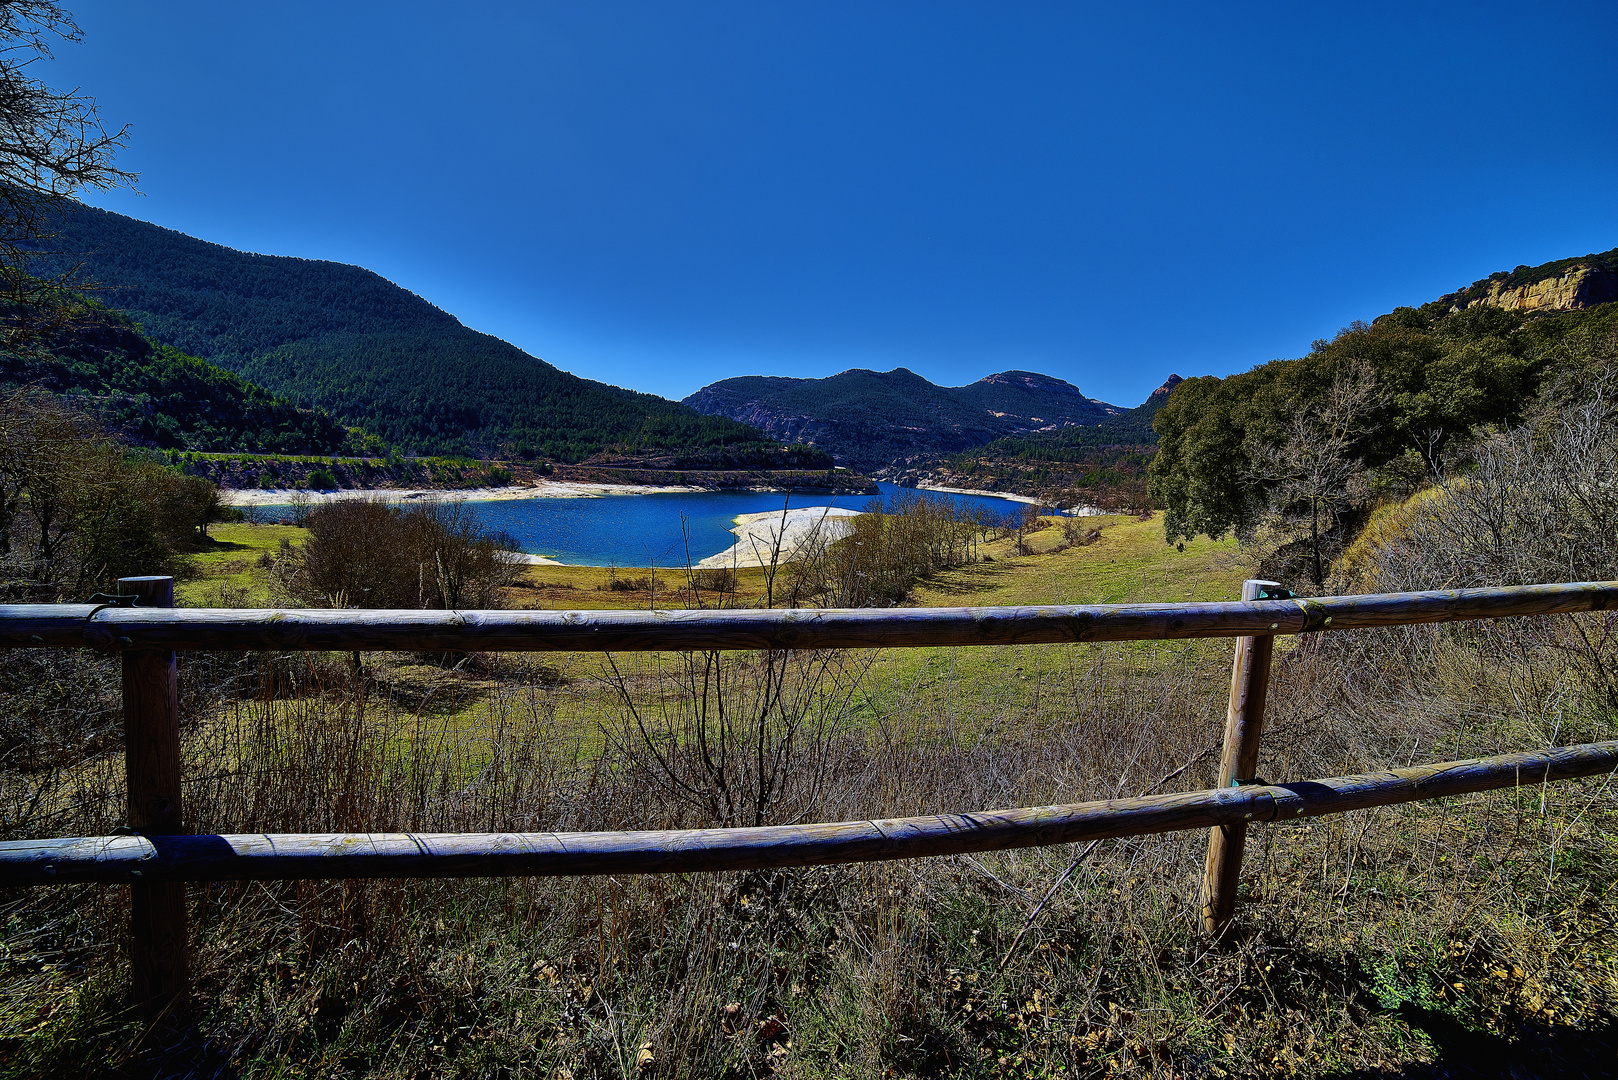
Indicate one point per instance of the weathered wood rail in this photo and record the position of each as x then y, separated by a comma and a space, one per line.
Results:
299, 856
362, 630
161, 856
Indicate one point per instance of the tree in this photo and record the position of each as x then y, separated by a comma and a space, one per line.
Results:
1197, 475
1022, 521
52, 145
76, 512
1440, 379
1312, 472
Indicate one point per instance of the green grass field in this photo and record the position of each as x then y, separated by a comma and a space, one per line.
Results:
1369, 945
232, 571
1129, 563
960, 685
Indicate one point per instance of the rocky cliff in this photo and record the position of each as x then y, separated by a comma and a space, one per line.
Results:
1565, 285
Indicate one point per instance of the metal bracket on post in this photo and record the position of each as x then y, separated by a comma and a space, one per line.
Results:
159, 964
1238, 763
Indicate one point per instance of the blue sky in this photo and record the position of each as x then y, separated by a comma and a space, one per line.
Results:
660, 195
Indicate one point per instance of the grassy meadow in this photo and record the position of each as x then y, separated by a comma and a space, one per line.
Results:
1446, 938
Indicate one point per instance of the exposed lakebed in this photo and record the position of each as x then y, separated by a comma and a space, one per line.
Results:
662, 528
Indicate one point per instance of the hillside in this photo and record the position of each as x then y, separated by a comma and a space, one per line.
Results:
869, 419
1097, 465
346, 340
1310, 444
1474, 357
154, 395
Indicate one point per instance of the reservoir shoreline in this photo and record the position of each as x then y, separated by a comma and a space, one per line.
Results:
578, 523
541, 489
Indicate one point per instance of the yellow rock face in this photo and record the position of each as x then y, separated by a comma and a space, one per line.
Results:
1578, 287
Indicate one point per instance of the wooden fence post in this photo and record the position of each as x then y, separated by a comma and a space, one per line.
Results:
1244, 723
159, 966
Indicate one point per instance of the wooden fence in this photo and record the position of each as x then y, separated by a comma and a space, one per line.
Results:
159, 856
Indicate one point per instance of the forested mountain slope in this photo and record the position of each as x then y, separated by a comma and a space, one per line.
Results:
1379, 408
1227, 453
1100, 464
155, 395
871, 418
346, 340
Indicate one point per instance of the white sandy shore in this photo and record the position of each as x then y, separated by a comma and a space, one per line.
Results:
802, 532
1077, 511
534, 560
988, 494
540, 489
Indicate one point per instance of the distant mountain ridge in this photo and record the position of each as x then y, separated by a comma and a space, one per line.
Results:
346, 340
868, 419
1095, 465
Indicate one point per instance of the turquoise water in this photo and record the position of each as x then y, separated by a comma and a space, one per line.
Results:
642, 530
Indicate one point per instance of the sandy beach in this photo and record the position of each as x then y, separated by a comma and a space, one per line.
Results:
986, 494
757, 536
534, 560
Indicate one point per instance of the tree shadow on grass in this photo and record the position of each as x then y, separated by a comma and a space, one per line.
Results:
967, 580
211, 545
1537, 1052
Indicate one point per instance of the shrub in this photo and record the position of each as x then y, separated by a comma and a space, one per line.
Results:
885, 550
1537, 506
369, 553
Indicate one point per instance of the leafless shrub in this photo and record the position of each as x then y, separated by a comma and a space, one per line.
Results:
739, 739
641, 583
371, 553
884, 551
1537, 506
1312, 476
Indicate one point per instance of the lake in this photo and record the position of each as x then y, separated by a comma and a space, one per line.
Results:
638, 530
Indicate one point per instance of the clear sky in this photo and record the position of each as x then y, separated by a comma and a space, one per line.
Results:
660, 194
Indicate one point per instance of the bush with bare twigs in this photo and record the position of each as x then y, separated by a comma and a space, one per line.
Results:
372, 553
1470, 932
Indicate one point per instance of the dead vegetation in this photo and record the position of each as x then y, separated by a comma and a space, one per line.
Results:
1473, 936
1367, 941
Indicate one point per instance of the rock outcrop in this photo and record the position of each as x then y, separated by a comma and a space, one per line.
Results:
1579, 287
1156, 398
1564, 285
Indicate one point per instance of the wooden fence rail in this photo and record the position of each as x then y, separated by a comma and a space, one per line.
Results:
325, 630
304, 856
160, 857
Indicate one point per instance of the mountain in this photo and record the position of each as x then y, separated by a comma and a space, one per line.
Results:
343, 339
1128, 427
1101, 464
155, 395
868, 419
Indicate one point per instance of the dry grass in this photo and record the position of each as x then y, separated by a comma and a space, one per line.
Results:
1476, 932
1368, 941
